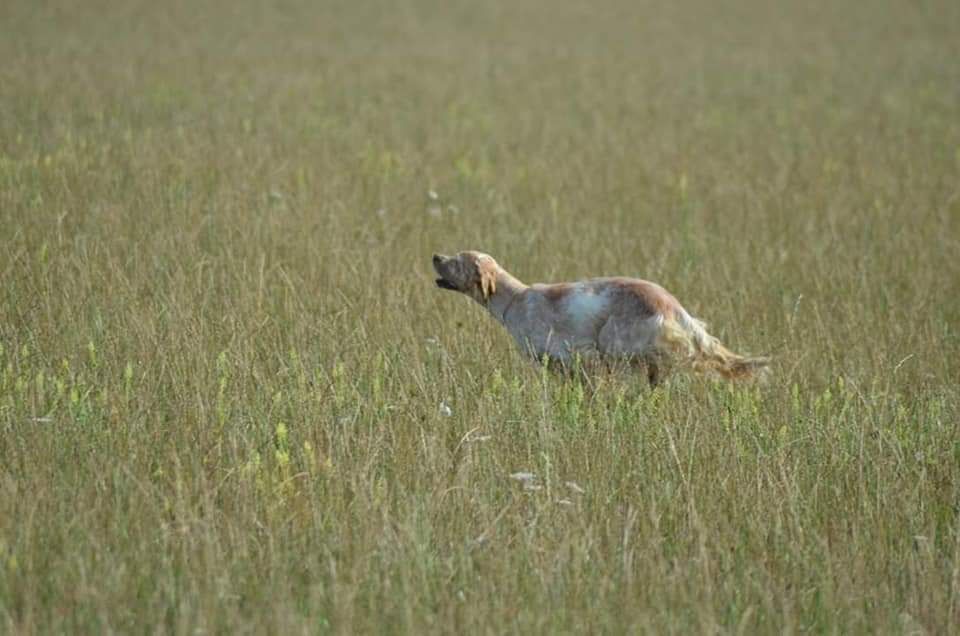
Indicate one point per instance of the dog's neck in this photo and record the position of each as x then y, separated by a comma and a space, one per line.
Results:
508, 289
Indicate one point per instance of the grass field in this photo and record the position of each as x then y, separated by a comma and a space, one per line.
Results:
232, 400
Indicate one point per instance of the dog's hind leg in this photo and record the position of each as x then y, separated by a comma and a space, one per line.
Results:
654, 375
658, 365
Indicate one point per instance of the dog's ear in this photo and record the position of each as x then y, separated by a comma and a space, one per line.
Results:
487, 268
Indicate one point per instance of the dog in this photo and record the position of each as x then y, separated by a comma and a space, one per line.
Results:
608, 320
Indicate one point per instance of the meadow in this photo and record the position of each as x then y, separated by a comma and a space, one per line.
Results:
233, 401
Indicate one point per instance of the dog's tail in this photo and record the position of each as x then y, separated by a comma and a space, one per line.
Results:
688, 336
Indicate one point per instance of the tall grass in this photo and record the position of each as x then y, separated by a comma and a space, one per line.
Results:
231, 399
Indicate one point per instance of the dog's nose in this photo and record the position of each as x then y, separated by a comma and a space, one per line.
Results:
437, 259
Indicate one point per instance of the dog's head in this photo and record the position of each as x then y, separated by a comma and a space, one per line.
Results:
471, 273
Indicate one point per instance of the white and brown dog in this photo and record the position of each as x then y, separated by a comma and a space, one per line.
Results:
600, 319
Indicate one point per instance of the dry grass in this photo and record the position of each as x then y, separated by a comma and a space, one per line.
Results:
223, 358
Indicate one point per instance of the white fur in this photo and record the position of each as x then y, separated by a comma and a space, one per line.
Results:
583, 306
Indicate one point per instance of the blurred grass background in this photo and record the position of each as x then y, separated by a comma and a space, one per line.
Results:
223, 358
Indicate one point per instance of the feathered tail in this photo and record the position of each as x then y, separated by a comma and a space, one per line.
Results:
688, 336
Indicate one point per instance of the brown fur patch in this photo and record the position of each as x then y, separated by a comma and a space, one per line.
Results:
652, 298
557, 291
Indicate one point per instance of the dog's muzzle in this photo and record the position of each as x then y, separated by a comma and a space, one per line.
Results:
442, 283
